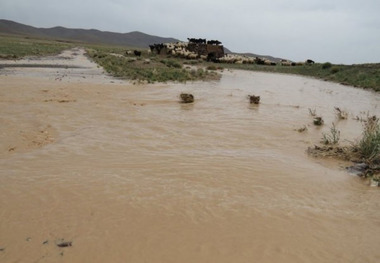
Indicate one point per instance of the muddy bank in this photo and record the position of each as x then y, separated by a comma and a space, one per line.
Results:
128, 171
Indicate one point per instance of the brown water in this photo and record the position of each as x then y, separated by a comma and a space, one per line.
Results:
128, 174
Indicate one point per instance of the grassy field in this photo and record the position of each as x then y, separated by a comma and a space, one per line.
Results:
147, 67
153, 68
14, 47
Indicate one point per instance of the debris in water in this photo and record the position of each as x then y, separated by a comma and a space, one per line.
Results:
187, 98
65, 244
302, 129
254, 99
358, 169
318, 121
373, 182
329, 151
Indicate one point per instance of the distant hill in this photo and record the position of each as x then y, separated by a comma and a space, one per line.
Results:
132, 39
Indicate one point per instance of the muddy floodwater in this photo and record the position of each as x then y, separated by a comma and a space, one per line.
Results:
126, 173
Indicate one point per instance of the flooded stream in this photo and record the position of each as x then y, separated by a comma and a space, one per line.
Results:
128, 174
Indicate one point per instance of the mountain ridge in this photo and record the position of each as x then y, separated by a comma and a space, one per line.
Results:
94, 36
133, 39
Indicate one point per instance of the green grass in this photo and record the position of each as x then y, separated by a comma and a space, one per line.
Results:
13, 47
364, 75
150, 68
331, 138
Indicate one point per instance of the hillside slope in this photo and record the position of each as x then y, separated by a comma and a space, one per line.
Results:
134, 39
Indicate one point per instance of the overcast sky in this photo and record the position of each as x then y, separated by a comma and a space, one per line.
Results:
338, 31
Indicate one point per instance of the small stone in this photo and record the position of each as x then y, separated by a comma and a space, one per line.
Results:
254, 99
65, 244
318, 121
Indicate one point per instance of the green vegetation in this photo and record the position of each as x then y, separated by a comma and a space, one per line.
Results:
365, 152
326, 65
364, 75
18, 47
148, 67
369, 145
332, 137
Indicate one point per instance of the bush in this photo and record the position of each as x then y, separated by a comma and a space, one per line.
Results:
369, 145
334, 70
333, 137
326, 65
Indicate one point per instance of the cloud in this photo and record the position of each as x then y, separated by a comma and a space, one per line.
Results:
340, 31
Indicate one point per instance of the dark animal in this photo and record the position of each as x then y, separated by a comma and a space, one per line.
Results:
309, 61
156, 48
259, 61
197, 40
254, 99
212, 56
214, 42
137, 53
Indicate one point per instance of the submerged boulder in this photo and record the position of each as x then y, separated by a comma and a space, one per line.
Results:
318, 121
186, 98
358, 169
254, 99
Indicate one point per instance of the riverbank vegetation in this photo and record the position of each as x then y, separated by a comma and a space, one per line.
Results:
365, 152
148, 68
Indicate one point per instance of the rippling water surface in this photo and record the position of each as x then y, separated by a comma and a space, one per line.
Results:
128, 174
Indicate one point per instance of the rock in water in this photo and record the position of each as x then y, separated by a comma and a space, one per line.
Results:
318, 121
358, 169
65, 244
254, 99
187, 98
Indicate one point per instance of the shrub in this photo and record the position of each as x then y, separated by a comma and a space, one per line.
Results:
331, 138
334, 70
326, 65
369, 145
